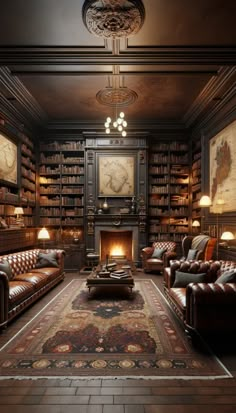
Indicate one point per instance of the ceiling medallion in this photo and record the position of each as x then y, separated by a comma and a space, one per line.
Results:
113, 18
121, 96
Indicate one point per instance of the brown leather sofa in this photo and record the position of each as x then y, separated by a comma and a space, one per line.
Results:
26, 282
203, 307
151, 263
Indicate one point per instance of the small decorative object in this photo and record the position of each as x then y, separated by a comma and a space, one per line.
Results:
133, 205
105, 205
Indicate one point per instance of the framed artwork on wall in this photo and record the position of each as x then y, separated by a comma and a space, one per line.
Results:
222, 150
8, 161
116, 175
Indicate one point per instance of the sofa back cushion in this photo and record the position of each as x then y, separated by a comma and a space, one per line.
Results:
21, 262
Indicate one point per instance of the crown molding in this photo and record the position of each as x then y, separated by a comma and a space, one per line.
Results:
40, 55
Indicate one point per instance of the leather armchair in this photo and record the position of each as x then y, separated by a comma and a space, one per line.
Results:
150, 263
204, 244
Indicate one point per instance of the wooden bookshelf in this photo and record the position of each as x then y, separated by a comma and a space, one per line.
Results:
168, 194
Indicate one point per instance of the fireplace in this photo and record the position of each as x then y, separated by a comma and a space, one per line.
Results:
117, 243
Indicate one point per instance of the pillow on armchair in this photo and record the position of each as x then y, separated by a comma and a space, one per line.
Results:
192, 254
158, 252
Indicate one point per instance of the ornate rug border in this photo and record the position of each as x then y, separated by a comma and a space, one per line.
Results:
228, 375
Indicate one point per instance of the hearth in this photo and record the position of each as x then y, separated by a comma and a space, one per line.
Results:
118, 243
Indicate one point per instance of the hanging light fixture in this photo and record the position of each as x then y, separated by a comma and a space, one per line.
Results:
117, 96
119, 123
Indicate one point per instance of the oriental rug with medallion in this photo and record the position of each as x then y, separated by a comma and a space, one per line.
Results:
106, 334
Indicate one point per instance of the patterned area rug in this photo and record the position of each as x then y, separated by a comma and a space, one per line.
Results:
106, 334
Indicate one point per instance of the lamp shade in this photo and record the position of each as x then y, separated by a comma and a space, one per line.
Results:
196, 223
205, 201
43, 234
227, 235
18, 211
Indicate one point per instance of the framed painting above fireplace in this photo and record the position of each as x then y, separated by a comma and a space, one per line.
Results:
116, 175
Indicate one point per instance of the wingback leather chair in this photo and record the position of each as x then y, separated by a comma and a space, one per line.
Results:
150, 262
199, 247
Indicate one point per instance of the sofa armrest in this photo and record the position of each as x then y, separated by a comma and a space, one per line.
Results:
145, 254
4, 295
168, 256
211, 308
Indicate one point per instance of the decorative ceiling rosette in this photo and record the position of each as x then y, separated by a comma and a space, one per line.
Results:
113, 18
120, 97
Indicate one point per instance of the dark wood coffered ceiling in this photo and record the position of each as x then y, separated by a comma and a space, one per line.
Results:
181, 63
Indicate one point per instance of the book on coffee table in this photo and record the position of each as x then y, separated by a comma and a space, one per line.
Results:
119, 274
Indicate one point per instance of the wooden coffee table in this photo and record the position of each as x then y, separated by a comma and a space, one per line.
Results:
94, 280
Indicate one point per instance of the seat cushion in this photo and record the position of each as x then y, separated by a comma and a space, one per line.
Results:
19, 291
38, 280
50, 272
178, 295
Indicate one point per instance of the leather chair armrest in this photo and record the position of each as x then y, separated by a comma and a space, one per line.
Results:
210, 308
145, 254
168, 256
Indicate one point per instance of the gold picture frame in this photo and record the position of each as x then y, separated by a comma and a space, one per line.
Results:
222, 179
116, 175
8, 161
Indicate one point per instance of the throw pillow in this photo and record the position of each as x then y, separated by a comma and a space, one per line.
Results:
5, 267
228, 276
192, 253
47, 260
158, 252
182, 279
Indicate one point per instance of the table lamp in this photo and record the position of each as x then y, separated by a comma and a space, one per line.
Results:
18, 211
43, 235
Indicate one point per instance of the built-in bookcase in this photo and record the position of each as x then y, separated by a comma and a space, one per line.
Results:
196, 179
61, 185
168, 197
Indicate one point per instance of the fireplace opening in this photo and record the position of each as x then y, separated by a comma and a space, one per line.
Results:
116, 244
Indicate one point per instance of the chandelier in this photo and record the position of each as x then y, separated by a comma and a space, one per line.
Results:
120, 123
117, 96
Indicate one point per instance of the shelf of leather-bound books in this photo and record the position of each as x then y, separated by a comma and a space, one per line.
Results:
196, 188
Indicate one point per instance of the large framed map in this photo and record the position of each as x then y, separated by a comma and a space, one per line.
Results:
116, 175
223, 169
8, 160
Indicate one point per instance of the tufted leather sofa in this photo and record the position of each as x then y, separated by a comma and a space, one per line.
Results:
204, 308
27, 283
157, 264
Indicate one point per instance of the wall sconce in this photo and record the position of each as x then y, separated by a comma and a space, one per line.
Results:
204, 202
18, 211
226, 236
43, 235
